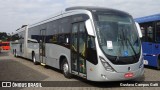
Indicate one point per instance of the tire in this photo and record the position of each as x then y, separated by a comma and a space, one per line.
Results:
34, 59
158, 65
15, 53
65, 69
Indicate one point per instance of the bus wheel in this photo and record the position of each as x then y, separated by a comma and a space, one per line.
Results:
158, 66
34, 59
65, 69
15, 53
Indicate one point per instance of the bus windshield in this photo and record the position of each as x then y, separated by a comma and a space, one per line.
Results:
117, 34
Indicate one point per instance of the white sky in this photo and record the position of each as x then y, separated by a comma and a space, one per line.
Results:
15, 13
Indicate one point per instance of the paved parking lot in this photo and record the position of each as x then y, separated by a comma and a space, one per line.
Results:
20, 69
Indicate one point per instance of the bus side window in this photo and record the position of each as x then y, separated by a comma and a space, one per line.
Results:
143, 34
91, 50
150, 34
158, 32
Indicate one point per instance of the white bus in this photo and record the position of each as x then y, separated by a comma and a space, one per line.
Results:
98, 44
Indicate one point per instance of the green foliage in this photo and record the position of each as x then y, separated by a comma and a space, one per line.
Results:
4, 36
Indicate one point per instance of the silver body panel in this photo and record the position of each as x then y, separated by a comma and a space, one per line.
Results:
53, 51
53, 54
33, 47
16, 44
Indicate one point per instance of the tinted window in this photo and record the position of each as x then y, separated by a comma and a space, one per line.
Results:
34, 33
19, 37
158, 31
148, 32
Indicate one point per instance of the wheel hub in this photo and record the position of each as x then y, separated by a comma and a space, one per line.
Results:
65, 68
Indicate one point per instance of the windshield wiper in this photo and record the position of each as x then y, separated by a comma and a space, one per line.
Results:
119, 39
132, 48
130, 45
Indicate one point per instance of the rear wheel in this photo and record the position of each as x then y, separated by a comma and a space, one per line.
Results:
65, 69
34, 59
15, 53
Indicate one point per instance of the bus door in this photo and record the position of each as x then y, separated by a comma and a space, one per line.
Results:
42, 46
78, 49
21, 47
148, 42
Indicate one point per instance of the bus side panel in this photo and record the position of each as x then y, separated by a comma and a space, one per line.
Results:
151, 60
147, 47
156, 48
151, 52
151, 48
53, 53
25, 42
18, 41
16, 47
33, 47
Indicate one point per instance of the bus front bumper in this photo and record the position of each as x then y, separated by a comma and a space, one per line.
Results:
117, 76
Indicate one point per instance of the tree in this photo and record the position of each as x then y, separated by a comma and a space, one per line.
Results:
4, 36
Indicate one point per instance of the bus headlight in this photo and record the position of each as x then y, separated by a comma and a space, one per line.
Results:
106, 65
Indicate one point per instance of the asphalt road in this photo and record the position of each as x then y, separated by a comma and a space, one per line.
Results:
20, 69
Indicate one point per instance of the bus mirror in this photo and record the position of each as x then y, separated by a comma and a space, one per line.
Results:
89, 27
139, 30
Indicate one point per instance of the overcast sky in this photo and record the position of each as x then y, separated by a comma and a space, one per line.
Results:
14, 13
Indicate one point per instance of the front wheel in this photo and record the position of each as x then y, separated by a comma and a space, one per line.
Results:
158, 65
65, 69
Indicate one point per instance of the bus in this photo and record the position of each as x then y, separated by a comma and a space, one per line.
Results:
150, 26
5, 45
19, 42
0, 46
95, 43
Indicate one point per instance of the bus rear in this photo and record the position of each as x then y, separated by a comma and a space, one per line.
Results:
5, 46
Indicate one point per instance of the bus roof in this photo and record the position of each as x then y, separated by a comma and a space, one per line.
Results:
90, 8
150, 18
